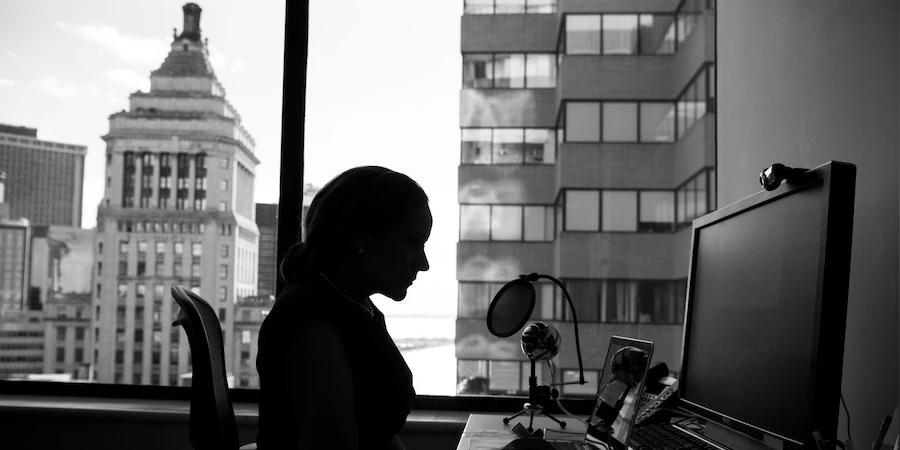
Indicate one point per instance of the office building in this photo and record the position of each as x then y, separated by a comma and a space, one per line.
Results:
178, 209
15, 248
44, 179
62, 261
248, 317
266, 221
587, 147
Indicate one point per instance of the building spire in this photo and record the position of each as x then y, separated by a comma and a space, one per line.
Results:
191, 22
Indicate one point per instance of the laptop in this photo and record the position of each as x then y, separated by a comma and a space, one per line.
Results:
618, 396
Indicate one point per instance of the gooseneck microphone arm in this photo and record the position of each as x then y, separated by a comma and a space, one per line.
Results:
534, 277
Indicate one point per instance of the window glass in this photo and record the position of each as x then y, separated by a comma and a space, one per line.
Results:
701, 193
478, 71
474, 222
619, 122
657, 211
582, 35
479, 7
620, 34
476, 146
504, 376
509, 6
535, 219
506, 223
657, 122
700, 95
540, 70
540, 146
588, 389
690, 202
582, 122
582, 210
474, 300
540, 6
509, 70
508, 146
657, 34
619, 211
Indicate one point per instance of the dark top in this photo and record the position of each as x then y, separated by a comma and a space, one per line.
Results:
382, 382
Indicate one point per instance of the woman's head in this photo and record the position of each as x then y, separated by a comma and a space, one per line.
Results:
369, 219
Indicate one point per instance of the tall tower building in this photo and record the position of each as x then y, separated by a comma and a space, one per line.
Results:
45, 180
178, 209
588, 146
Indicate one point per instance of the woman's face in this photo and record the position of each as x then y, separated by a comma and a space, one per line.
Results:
393, 257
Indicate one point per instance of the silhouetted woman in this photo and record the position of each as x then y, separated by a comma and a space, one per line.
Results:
330, 375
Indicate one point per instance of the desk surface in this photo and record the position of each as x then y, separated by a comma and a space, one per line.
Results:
487, 431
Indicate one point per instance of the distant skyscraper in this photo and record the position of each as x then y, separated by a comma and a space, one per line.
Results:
15, 246
266, 215
178, 209
45, 179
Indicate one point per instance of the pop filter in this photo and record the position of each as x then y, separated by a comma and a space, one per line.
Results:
511, 308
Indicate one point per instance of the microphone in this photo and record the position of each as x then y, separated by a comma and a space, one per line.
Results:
512, 307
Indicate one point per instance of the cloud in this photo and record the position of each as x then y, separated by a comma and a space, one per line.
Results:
13, 55
6, 82
131, 49
55, 87
128, 78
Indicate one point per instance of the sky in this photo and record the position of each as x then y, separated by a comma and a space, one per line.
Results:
382, 88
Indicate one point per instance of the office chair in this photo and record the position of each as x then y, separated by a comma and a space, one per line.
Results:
212, 423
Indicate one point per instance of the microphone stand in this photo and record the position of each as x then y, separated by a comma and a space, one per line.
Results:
537, 395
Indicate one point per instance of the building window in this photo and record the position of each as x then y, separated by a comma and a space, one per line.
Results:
509, 7
620, 121
619, 211
582, 122
582, 35
223, 271
223, 206
509, 70
223, 185
620, 36
225, 163
60, 333
222, 314
195, 269
582, 210
245, 336
223, 293
657, 122
506, 222
224, 251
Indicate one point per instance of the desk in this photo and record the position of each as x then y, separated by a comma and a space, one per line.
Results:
487, 431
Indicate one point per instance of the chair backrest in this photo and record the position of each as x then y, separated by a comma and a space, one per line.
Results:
212, 415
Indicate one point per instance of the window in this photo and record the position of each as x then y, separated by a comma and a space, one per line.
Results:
224, 251
222, 312
582, 210
223, 271
225, 163
508, 146
245, 337
619, 122
178, 248
474, 222
619, 211
620, 35
657, 211
582, 35
582, 122
223, 184
223, 206
657, 122
223, 293
196, 249
509, 70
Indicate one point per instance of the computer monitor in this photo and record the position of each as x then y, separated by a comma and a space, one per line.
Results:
766, 309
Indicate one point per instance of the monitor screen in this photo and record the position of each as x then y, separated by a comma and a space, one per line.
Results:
754, 314
619, 391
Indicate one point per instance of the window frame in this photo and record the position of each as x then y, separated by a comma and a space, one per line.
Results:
291, 187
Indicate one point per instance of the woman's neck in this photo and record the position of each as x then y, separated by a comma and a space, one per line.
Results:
349, 282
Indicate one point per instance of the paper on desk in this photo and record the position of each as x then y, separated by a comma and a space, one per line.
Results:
488, 439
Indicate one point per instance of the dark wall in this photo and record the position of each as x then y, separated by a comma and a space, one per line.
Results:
803, 82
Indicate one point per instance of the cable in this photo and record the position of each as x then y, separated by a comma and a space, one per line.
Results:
558, 403
849, 437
